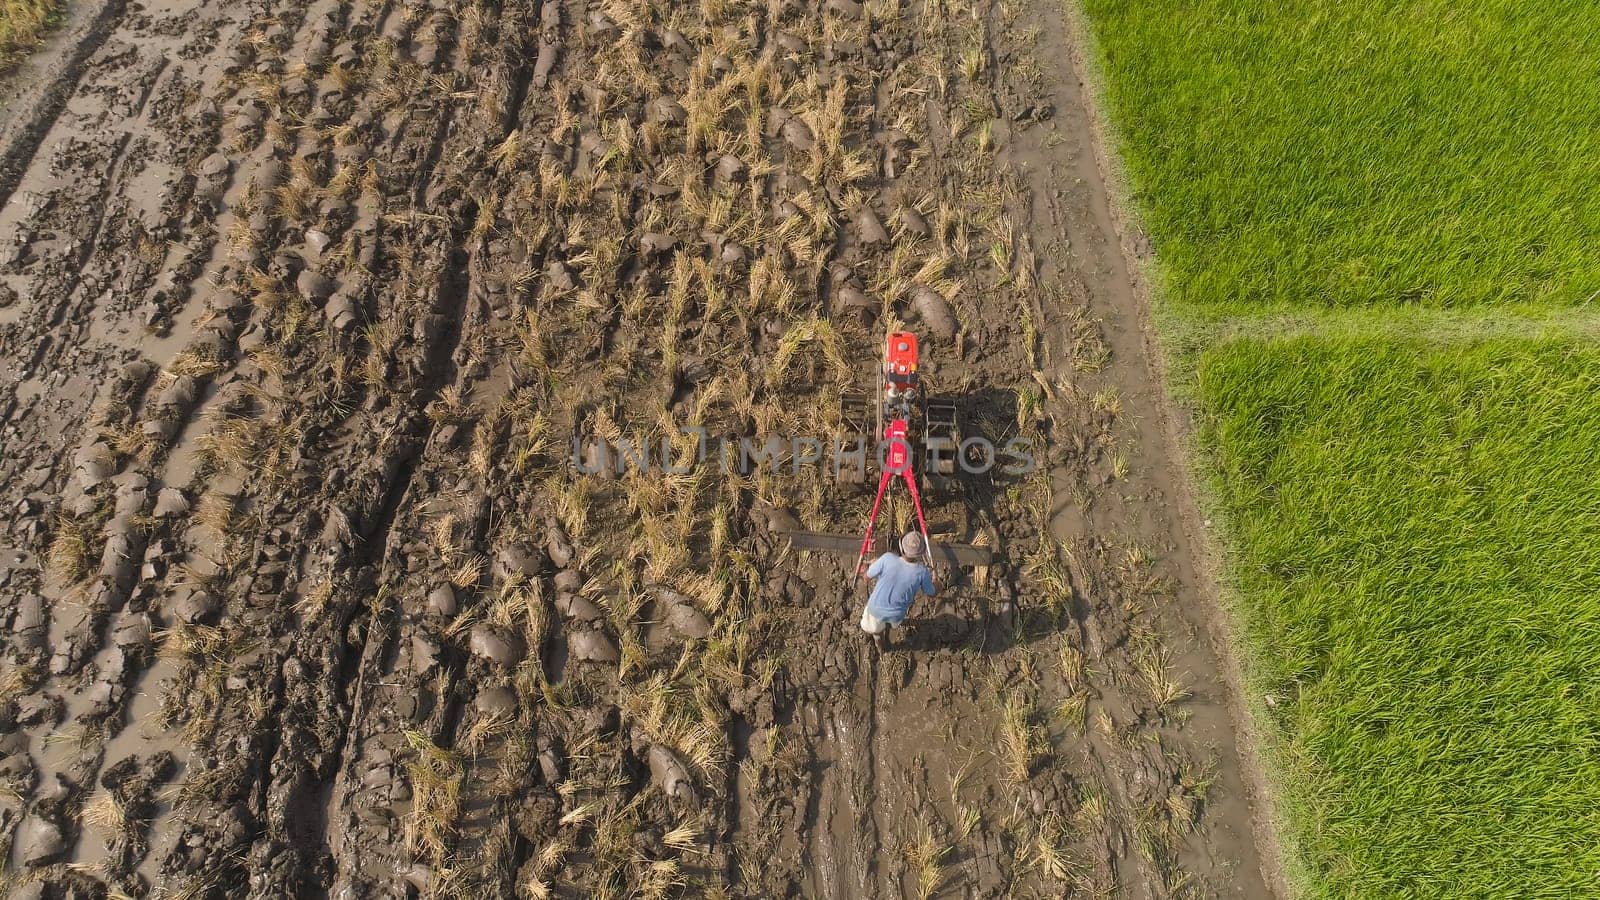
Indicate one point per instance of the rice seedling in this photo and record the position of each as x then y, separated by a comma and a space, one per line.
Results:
1073, 710
106, 814
17, 680
231, 440
972, 59
1154, 835
272, 362
483, 221
1030, 403
815, 331
381, 338
581, 814
684, 838
193, 363
77, 737
293, 198
209, 644
926, 856
69, 555
1119, 466
486, 439
436, 776
660, 878
468, 571
1104, 725
1044, 565
314, 599
1155, 673
486, 730
1181, 809
127, 439
968, 818
1022, 741
1106, 400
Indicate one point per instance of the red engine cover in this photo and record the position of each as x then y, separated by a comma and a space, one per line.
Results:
900, 363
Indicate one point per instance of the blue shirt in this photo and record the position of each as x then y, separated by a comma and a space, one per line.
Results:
895, 585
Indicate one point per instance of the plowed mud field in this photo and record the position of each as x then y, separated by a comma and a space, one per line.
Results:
301, 307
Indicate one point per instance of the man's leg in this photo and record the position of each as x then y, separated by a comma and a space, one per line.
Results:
876, 629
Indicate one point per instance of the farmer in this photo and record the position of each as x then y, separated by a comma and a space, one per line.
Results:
896, 581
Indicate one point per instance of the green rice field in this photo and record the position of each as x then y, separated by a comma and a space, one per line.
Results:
1414, 535
1376, 230
1339, 153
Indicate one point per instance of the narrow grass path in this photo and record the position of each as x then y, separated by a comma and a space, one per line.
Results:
1188, 339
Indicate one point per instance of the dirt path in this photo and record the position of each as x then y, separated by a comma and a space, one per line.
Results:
302, 305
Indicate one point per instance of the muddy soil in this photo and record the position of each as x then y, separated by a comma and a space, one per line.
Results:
302, 306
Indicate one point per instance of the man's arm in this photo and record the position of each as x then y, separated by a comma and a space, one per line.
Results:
927, 581
876, 569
